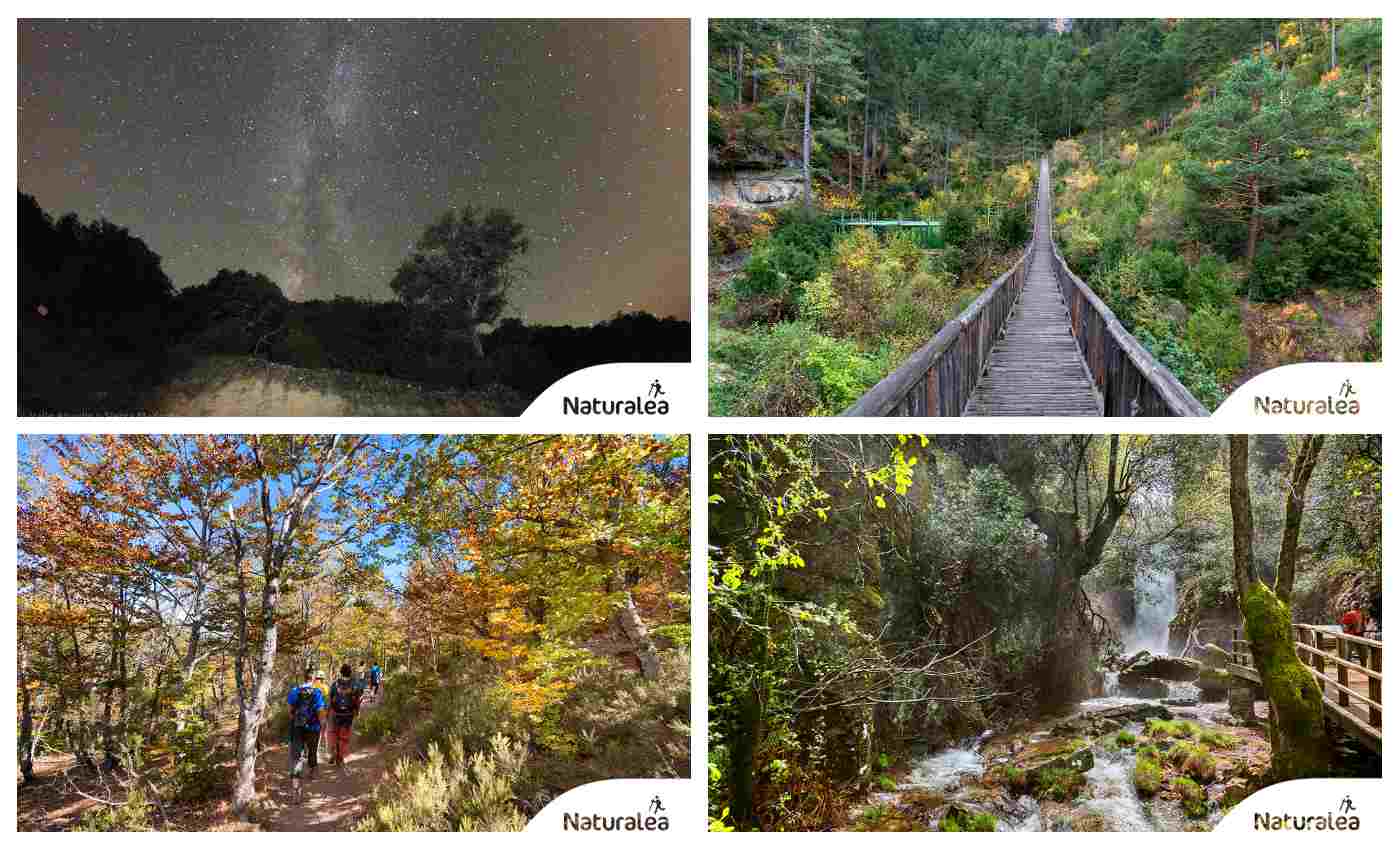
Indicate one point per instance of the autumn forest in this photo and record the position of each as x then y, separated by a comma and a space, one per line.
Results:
522, 599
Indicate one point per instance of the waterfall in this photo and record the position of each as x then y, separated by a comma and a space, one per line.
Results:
1154, 603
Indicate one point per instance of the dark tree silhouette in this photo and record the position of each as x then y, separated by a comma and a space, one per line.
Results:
460, 274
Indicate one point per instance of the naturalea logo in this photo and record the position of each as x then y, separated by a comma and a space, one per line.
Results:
1342, 403
1344, 819
655, 820
655, 404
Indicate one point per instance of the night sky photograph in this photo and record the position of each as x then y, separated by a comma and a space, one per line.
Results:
314, 154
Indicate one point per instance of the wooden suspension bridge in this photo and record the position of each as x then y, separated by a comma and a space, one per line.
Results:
1037, 342
1347, 668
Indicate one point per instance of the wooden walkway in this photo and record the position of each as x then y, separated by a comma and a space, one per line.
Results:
1035, 367
1347, 668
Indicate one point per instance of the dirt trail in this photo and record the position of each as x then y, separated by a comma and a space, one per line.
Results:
337, 797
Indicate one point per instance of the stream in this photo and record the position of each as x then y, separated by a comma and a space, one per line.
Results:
1108, 802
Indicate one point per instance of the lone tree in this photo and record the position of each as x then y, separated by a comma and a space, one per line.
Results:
1258, 149
461, 271
1296, 730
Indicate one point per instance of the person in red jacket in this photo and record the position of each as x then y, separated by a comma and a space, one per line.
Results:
1354, 624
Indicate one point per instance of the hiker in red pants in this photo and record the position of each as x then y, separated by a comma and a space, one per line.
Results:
346, 694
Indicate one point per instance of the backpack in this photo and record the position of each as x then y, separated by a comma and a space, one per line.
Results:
304, 711
374, 675
344, 699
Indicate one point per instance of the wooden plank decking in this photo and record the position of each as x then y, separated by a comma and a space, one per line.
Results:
1351, 685
1036, 368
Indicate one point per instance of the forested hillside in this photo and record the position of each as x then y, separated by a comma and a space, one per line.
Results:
525, 597
1025, 632
1217, 185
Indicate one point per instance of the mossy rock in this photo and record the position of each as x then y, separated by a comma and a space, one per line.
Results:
1147, 773
1088, 822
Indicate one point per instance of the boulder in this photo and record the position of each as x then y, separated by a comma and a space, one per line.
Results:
1163, 667
1181, 702
1215, 683
1142, 687
1214, 656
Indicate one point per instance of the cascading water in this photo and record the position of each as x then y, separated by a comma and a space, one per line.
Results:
1154, 604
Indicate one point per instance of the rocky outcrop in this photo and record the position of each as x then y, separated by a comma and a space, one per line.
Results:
756, 189
1143, 687
1162, 667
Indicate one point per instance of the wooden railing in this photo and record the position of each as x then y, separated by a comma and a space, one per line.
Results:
1318, 647
1128, 377
938, 379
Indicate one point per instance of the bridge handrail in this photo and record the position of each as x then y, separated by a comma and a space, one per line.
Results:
1131, 381
1309, 642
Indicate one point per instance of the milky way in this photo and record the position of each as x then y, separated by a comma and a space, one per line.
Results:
316, 152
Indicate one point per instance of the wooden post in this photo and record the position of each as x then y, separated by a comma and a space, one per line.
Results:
1343, 681
1373, 685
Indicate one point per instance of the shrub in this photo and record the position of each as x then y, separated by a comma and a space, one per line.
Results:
1193, 797
959, 225
1210, 283
1147, 772
886, 782
1279, 271
1217, 335
1164, 272
471, 713
1015, 777
374, 726
817, 303
1188, 366
762, 274
1344, 242
1125, 739
196, 773
1013, 227
134, 815
452, 792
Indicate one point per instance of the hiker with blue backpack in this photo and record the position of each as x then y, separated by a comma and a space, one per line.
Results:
346, 694
308, 709
375, 676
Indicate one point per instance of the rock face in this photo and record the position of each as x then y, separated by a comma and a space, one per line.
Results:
1162, 667
1142, 687
756, 189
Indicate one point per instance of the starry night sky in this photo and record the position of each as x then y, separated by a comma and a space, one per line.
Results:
316, 152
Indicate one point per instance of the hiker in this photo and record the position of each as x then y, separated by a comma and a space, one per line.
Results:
1354, 625
346, 694
308, 709
325, 700
375, 676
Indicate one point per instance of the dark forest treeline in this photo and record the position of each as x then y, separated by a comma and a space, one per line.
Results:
102, 326
1014, 86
